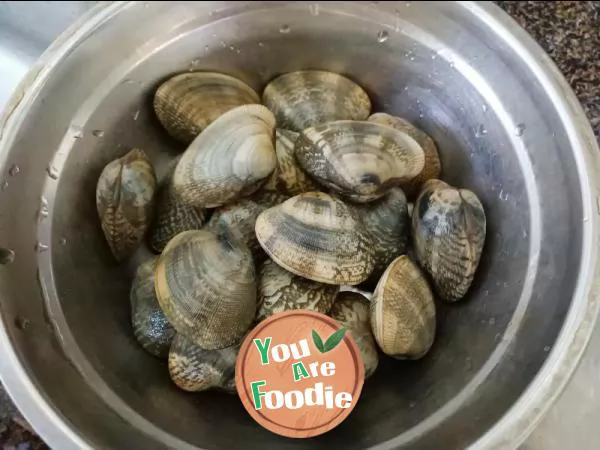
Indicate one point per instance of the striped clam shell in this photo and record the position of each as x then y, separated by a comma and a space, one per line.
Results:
352, 310
125, 201
280, 290
150, 326
231, 158
318, 237
194, 369
359, 160
432, 167
206, 286
309, 97
186, 104
449, 227
403, 311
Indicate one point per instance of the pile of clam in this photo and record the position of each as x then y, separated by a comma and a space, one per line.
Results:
284, 205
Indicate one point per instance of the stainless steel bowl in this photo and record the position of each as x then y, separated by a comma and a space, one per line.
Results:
507, 126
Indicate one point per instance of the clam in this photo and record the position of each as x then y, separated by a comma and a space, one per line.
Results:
309, 97
125, 200
402, 311
206, 286
150, 326
432, 167
352, 311
448, 235
231, 158
318, 237
187, 103
288, 177
359, 160
386, 224
194, 369
239, 218
280, 290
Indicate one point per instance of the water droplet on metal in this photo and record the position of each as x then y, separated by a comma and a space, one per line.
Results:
43, 211
586, 218
98, 133
412, 404
76, 131
4, 185
285, 29
136, 115
223, 44
21, 323
547, 348
481, 131
382, 36
433, 56
519, 129
40, 247
238, 51
484, 107
52, 172
421, 115
231, 47
412, 58
314, 9
6, 256
63, 241
14, 170
451, 63
260, 44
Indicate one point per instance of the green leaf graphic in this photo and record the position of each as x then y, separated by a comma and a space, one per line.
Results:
318, 341
334, 340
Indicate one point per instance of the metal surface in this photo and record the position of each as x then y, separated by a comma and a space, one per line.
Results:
506, 123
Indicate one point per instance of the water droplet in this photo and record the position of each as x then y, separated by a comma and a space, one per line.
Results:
238, 51
223, 44
421, 115
519, 129
21, 323
484, 107
6, 256
211, 13
77, 132
52, 172
98, 133
586, 218
40, 247
63, 241
451, 63
481, 131
433, 56
412, 404
503, 195
4, 185
136, 115
547, 348
260, 44
492, 321
412, 58
314, 9
382, 36
407, 4
285, 29
405, 88
231, 47
14, 170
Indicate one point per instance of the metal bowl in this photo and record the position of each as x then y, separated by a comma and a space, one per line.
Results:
507, 126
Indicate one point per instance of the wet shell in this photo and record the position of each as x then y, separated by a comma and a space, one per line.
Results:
317, 237
403, 312
186, 104
150, 326
239, 218
432, 167
359, 160
448, 235
386, 225
288, 177
125, 201
194, 369
269, 199
309, 97
280, 290
231, 158
206, 286
352, 311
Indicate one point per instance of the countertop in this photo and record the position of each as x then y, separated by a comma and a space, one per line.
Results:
570, 34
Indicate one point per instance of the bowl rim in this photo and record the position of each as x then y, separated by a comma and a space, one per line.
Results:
521, 418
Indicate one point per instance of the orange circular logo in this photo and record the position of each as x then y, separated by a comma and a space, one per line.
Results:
299, 373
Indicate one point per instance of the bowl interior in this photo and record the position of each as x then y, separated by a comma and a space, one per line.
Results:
437, 66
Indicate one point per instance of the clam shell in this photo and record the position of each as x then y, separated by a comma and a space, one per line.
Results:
187, 103
448, 235
150, 326
432, 167
386, 225
125, 201
194, 369
402, 311
288, 177
280, 290
206, 286
309, 97
231, 158
352, 311
318, 237
359, 160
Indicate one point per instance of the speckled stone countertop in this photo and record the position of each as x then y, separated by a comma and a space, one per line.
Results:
570, 34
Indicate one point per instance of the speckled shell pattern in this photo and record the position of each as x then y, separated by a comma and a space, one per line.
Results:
432, 167
352, 310
309, 97
269, 199
288, 177
231, 158
359, 160
125, 202
150, 326
194, 369
448, 229
318, 237
403, 311
206, 286
280, 290
187, 103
